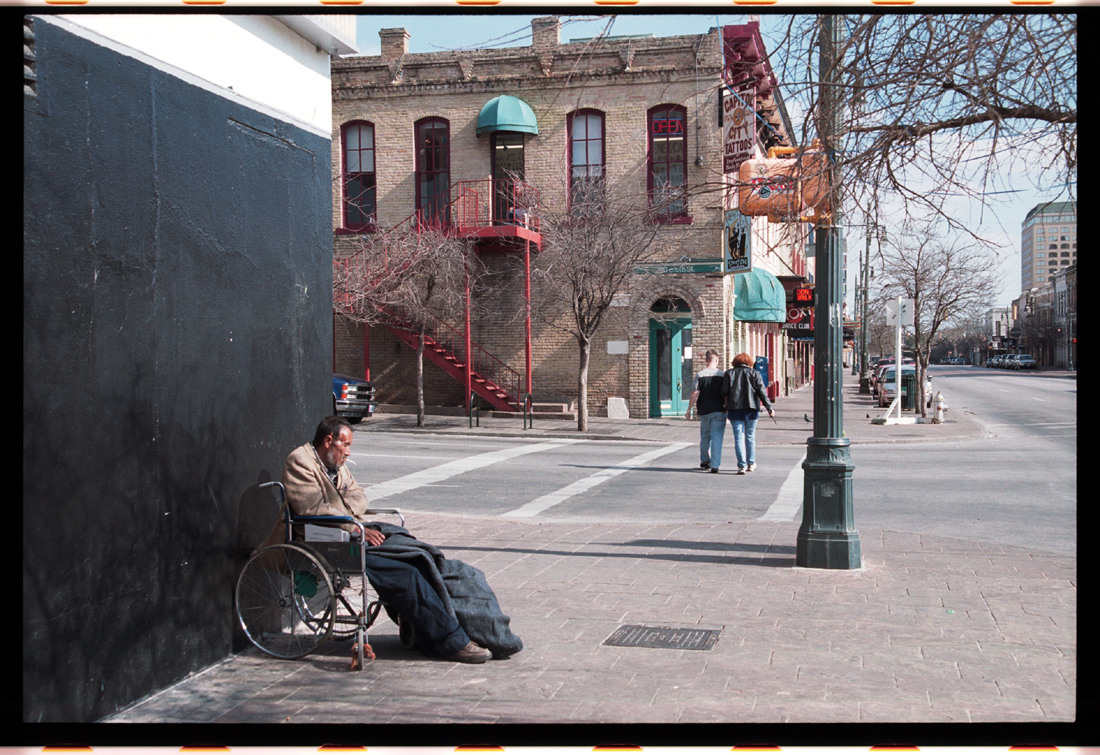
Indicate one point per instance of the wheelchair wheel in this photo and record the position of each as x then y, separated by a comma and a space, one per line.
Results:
349, 602
285, 601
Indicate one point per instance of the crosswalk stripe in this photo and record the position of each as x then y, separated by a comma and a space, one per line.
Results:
789, 500
457, 467
542, 503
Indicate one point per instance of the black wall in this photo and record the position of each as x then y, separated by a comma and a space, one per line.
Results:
177, 345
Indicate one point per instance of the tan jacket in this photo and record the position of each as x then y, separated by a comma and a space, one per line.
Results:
309, 492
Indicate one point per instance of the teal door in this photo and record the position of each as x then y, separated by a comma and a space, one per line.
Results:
670, 370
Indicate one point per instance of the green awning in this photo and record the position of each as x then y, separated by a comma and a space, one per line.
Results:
507, 113
760, 297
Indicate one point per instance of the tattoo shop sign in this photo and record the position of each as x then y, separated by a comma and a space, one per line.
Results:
739, 141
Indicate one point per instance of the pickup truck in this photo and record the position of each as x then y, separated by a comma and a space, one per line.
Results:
352, 398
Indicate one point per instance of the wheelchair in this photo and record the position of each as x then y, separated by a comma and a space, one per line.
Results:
294, 596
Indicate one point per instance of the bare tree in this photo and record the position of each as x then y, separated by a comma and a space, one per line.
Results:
411, 278
948, 279
942, 106
593, 248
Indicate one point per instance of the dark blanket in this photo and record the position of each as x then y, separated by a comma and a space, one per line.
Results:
463, 589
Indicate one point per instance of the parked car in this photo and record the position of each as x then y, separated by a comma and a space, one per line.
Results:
888, 386
352, 398
1024, 362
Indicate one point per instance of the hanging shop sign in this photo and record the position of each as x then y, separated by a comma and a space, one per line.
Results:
783, 187
737, 243
739, 118
800, 323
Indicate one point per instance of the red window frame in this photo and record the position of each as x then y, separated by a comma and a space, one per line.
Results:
666, 128
359, 202
581, 163
432, 137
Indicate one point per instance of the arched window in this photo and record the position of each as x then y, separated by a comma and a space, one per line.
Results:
667, 161
586, 161
433, 170
357, 143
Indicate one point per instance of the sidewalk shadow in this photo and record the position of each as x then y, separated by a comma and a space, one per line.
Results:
779, 561
715, 546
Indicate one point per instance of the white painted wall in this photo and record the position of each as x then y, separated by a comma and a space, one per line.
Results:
256, 57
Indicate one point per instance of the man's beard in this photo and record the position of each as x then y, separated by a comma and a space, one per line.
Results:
330, 460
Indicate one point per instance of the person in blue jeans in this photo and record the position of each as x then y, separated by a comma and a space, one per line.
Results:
706, 392
744, 389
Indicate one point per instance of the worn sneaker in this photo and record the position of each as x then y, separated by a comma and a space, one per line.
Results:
704, 465
740, 470
751, 468
714, 470
472, 653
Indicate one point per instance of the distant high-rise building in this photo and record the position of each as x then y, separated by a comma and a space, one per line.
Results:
1048, 242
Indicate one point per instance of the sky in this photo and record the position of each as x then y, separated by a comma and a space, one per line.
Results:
998, 219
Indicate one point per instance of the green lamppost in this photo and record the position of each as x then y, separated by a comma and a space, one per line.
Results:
827, 538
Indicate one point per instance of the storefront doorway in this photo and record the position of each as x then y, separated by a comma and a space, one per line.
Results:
670, 358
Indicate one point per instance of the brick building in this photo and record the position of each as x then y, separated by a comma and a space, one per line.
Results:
424, 133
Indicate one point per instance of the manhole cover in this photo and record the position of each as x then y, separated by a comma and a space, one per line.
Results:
634, 636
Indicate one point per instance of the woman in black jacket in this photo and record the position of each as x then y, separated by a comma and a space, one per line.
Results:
744, 389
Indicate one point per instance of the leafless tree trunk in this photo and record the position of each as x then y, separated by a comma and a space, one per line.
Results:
593, 248
410, 278
949, 281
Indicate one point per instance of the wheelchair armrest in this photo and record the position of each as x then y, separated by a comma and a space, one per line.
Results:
395, 512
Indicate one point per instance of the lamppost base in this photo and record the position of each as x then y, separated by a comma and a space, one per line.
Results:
864, 384
828, 538
822, 550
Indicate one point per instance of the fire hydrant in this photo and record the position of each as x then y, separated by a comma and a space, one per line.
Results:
941, 407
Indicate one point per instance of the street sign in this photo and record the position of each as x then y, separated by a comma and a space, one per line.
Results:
906, 312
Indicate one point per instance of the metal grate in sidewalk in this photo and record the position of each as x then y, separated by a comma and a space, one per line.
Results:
635, 636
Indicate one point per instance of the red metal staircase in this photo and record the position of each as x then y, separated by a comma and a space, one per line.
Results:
471, 214
490, 378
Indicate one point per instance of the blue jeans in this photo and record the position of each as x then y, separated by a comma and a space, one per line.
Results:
744, 435
712, 428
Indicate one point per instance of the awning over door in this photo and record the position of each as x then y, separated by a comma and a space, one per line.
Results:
760, 297
507, 113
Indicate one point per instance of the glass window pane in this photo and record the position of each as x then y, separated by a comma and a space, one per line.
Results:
595, 153
595, 127
664, 364
580, 127
676, 149
676, 174
353, 162
353, 138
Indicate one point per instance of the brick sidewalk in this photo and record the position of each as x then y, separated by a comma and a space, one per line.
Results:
931, 629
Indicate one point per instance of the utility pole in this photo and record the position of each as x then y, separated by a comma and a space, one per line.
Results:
864, 369
827, 538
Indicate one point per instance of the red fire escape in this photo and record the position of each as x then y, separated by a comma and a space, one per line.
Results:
499, 216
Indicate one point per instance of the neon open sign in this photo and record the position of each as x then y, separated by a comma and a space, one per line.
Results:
665, 126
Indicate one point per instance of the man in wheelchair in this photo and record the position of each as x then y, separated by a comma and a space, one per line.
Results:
413, 579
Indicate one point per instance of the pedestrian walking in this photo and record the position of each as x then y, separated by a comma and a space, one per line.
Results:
744, 389
707, 393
